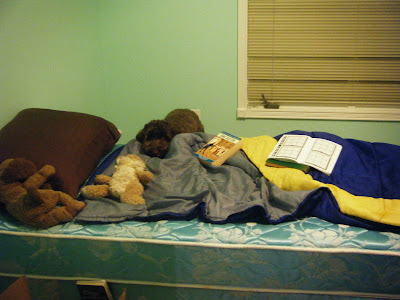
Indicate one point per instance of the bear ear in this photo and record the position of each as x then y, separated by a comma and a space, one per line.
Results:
18, 169
133, 157
122, 160
5, 164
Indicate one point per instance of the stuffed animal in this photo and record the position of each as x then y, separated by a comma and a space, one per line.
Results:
126, 183
19, 192
156, 135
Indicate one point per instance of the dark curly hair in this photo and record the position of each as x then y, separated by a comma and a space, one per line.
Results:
156, 135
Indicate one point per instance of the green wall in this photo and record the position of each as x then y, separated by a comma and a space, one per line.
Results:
50, 56
130, 61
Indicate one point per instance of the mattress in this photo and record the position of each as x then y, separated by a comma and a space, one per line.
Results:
308, 258
305, 258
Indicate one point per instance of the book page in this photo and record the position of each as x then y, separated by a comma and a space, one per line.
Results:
290, 147
323, 155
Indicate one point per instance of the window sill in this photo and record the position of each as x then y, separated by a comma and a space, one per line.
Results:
324, 113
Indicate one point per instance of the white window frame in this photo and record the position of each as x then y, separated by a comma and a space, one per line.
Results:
295, 112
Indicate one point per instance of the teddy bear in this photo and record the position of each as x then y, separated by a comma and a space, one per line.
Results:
125, 184
20, 192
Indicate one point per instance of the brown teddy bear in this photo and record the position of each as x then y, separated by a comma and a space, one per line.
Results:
126, 183
19, 191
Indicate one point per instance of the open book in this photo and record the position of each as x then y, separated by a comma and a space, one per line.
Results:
318, 153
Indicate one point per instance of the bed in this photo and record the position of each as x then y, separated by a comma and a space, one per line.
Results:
208, 231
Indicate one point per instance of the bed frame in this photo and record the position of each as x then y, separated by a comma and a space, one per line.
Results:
307, 258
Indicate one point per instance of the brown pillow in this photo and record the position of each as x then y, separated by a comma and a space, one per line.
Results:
72, 142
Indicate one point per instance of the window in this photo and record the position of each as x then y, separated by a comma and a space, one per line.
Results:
319, 59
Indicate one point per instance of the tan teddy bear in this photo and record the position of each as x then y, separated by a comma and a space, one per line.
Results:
19, 191
126, 183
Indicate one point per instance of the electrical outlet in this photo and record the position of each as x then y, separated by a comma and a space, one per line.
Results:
198, 112
94, 289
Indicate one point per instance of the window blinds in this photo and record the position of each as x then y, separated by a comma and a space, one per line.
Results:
324, 52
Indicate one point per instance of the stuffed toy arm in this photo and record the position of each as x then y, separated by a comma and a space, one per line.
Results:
102, 179
145, 177
40, 177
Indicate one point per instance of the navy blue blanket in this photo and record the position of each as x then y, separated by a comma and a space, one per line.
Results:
363, 169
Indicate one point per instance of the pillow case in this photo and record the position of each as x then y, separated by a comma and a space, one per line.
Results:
72, 142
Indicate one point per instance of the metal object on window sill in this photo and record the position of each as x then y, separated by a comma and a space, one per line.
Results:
269, 105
